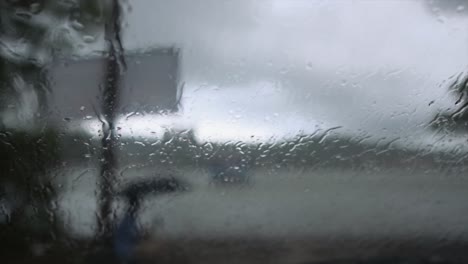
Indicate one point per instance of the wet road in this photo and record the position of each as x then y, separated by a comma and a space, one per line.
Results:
390, 203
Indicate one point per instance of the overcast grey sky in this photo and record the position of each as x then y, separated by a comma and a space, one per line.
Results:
276, 67
260, 69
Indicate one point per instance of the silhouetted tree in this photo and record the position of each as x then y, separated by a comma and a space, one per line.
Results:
32, 34
455, 119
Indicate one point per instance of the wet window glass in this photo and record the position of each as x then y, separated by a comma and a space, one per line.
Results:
218, 131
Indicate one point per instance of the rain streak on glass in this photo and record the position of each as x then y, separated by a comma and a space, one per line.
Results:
214, 131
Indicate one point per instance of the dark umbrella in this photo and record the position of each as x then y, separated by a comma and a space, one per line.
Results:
127, 234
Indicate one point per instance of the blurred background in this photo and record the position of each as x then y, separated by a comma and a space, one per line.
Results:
212, 131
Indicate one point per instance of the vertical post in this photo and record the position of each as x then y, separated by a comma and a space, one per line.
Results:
115, 64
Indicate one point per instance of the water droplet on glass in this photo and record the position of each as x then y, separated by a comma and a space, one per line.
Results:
35, 8
89, 38
441, 19
78, 26
139, 143
23, 15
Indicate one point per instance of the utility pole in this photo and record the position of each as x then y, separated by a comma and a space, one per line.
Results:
115, 65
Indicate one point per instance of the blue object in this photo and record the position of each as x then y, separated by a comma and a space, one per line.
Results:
127, 233
126, 237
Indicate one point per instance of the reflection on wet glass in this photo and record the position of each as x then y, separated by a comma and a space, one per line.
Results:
233, 131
